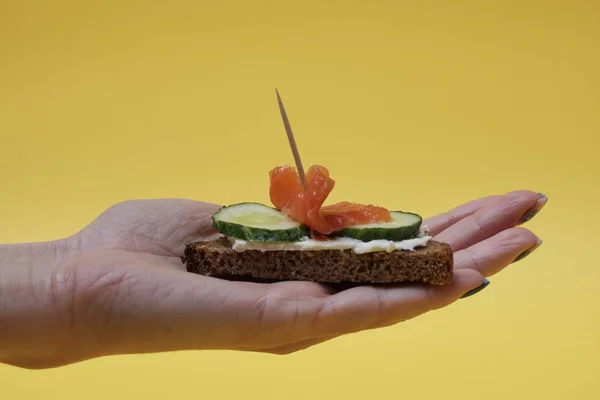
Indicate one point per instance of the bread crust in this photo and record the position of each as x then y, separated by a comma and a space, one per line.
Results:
432, 264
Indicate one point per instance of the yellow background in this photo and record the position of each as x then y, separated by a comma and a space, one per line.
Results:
413, 105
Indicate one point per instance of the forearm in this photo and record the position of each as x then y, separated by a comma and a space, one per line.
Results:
28, 300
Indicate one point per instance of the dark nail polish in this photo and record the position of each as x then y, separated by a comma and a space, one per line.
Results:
528, 251
529, 216
533, 212
477, 289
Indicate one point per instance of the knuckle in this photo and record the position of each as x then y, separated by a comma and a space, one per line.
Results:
473, 260
260, 307
379, 319
260, 326
517, 238
449, 219
517, 200
434, 300
440, 296
322, 312
479, 224
381, 316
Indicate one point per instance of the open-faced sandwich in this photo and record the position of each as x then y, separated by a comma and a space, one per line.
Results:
300, 238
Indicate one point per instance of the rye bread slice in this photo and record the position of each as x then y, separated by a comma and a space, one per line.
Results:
432, 264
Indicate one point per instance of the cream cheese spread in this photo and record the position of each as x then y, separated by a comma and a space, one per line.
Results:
358, 246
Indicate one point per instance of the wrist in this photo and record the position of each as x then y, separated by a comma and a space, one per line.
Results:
31, 307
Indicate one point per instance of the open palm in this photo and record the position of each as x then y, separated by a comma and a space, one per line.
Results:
133, 294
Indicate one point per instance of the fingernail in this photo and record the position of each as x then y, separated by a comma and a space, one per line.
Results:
529, 251
536, 209
477, 289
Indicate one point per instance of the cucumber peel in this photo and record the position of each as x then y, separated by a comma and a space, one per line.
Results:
404, 225
257, 222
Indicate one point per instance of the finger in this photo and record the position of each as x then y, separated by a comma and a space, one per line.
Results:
365, 307
440, 222
492, 255
301, 289
493, 218
295, 347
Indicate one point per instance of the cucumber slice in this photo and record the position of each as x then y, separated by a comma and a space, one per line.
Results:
404, 225
257, 222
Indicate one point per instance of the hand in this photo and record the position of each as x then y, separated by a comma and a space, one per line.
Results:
121, 287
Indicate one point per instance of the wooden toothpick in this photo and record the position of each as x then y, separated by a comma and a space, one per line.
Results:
290, 135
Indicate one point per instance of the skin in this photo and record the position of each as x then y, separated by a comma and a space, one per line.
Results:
119, 287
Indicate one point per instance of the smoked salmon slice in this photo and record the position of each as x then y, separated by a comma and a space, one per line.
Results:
287, 195
346, 214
